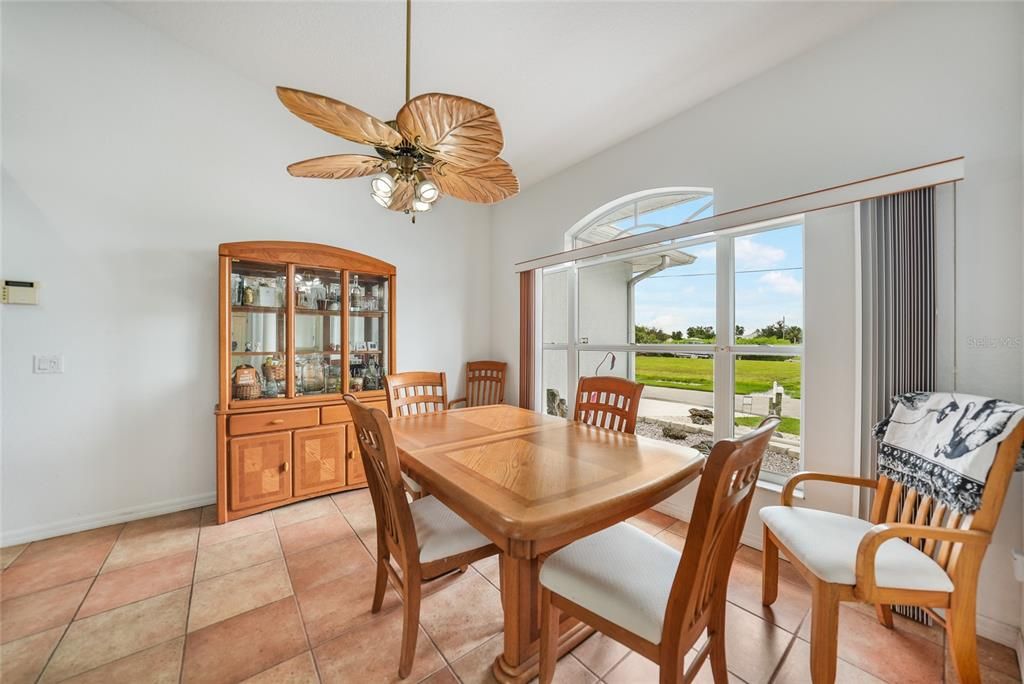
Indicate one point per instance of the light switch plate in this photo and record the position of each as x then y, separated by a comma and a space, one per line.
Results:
1018, 564
48, 363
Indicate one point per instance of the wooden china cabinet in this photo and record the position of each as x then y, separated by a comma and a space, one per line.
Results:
300, 325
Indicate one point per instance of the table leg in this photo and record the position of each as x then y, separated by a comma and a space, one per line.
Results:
520, 598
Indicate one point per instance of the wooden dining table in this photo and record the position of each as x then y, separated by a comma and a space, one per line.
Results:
533, 483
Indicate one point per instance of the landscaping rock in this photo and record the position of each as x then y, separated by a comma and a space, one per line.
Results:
702, 416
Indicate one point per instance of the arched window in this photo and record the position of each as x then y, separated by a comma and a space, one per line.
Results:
641, 212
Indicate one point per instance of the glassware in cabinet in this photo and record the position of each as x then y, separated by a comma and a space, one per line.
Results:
258, 329
368, 333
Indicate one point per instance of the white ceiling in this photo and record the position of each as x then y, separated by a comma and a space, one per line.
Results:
567, 78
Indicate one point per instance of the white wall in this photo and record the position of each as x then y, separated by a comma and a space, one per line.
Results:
920, 83
127, 160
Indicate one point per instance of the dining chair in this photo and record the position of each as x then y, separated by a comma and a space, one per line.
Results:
485, 384
645, 594
424, 537
609, 402
913, 551
414, 393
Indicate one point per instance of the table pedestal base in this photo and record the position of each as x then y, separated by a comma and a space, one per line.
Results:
529, 668
520, 599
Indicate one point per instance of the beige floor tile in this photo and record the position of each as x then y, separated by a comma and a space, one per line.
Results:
152, 538
228, 595
633, 669
138, 582
490, 568
117, 633
444, 676
212, 533
9, 554
788, 611
304, 510
475, 666
41, 611
679, 527
244, 645
297, 670
753, 646
673, 540
21, 661
462, 616
235, 554
29, 577
652, 521
329, 563
313, 533
600, 653
160, 664
906, 657
330, 609
370, 654
60, 549
353, 500
796, 668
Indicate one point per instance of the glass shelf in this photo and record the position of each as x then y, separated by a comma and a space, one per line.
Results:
368, 302
259, 339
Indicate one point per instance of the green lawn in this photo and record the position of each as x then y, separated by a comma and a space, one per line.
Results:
752, 375
790, 425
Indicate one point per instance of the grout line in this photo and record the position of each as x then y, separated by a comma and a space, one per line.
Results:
60, 641
191, 589
295, 598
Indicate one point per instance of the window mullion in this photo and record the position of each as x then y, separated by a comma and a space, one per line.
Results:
724, 401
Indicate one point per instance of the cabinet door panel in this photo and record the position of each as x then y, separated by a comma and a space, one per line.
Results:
259, 469
319, 459
356, 474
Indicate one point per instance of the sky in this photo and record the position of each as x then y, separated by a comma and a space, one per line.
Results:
769, 280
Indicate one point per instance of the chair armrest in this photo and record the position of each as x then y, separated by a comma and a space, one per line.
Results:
453, 402
879, 534
794, 480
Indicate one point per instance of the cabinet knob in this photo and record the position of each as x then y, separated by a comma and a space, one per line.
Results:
284, 466
277, 421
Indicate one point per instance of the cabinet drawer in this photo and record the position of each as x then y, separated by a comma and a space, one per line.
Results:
340, 413
271, 421
335, 414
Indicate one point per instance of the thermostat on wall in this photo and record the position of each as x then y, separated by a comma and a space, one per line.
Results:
19, 292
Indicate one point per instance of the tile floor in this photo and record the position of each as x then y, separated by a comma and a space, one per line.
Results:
284, 596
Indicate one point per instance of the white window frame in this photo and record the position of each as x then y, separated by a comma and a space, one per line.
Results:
724, 351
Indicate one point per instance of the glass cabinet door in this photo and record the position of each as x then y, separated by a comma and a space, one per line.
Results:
258, 330
318, 319
367, 300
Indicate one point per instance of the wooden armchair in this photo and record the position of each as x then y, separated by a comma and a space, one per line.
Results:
485, 384
424, 537
608, 402
414, 393
645, 594
912, 552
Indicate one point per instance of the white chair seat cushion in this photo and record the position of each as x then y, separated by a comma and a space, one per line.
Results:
621, 573
411, 485
440, 531
826, 543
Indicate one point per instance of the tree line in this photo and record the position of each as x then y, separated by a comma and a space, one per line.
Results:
775, 333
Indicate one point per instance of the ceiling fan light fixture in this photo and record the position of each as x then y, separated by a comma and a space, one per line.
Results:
426, 191
384, 184
420, 205
381, 200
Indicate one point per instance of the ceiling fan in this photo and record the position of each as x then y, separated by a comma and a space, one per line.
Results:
437, 144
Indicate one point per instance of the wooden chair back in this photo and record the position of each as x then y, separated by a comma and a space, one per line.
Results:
416, 392
395, 527
608, 402
485, 382
896, 503
719, 513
